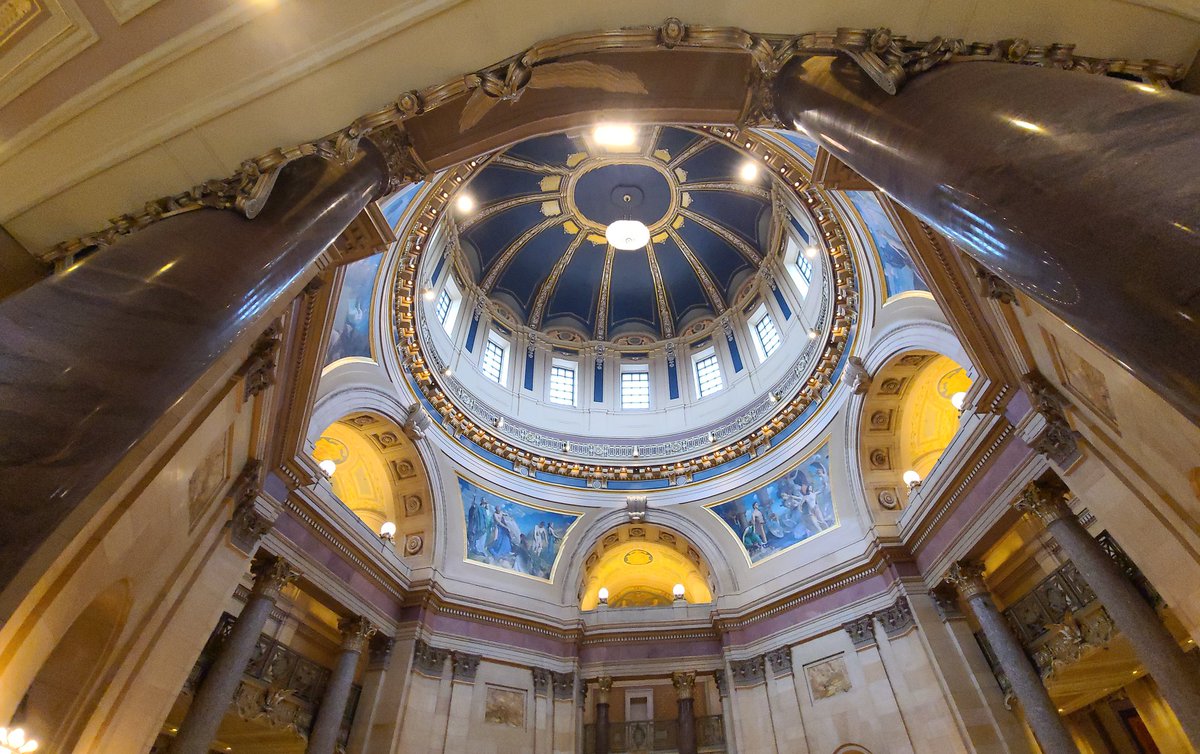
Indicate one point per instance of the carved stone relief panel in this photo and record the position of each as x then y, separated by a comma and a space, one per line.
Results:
208, 478
828, 678
503, 706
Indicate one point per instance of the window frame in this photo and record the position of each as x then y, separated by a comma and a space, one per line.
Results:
505, 347
706, 355
450, 288
632, 369
569, 366
762, 313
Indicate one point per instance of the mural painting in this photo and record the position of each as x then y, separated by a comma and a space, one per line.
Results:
784, 513
351, 335
828, 678
509, 535
899, 272
801, 142
504, 707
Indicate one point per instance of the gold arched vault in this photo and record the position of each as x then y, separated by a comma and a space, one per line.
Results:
639, 564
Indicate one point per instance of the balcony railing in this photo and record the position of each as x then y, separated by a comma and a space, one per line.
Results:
645, 736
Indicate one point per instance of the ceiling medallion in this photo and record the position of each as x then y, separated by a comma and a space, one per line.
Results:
638, 558
726, 445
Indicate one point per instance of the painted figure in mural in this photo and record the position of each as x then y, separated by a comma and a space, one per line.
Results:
784, 512
351, 333
509, 535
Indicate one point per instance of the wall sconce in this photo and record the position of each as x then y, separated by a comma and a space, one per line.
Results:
328, 466
15, 741
677, 592
388, 531
958, 400
603, 595
912, 479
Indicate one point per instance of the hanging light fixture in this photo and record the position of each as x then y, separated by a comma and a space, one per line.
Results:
627, 235
15, 741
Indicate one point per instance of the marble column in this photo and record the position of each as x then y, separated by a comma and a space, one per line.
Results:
604, 687
328, 724
1041, 714
379, 657
213, 697
93, 358
685, 687
1173, 671
1036, 173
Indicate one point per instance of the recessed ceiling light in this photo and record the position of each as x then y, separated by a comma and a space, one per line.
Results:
749, 171
614, 135
627, 235
465, 203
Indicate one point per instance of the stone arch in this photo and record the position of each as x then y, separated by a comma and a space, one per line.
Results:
61, 697
720, 573
640, 563
380, 476
851, 749
908, 419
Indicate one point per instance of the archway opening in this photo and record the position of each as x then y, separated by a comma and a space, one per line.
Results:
910, 416
643, 565
375, 470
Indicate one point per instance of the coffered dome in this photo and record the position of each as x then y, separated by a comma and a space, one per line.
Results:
533, 228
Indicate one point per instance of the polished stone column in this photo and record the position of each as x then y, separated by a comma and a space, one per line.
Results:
379, 657
212, 698
93, 358
604, 684
1037, 173
685, 686
1041, 714
1173, 671
327, 726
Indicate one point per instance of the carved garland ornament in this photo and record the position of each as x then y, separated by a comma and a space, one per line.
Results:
889, 59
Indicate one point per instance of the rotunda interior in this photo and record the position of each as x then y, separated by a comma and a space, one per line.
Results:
666, 388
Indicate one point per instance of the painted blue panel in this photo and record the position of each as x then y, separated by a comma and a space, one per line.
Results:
783, 305
899, 273
531, 265
529, 356
579, 287
496, 183
506, 534
471, 333
566, 481
351, 333
489, 238
800, 142
641, 484
684, 290
722, 261
437, 271
675, 140
394, 206
734, 354
736, 212
785, 512
632, 297
673, 379
800, 231
729, 465
553, 149
486, 454
716, 162
598, 384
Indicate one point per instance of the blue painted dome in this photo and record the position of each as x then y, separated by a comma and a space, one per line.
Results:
535, 236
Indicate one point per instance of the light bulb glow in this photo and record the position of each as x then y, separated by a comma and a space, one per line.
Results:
677, 591
958, 400
627, 235
428, 294
329, 466
388, 530
14, 741
810, 252
749, 171
614, 135
603, 595
465, 203
911, 478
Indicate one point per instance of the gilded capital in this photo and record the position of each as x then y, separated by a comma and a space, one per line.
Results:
355, 632
1045, 499
604, 683
271, 575
684, 683
967, 577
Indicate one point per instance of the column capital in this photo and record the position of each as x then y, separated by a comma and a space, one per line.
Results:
1046, 499
684, 683
780, 661
379, 651
355, 632
604, 684
463, 666
564, 685
541, 681
861, 630
271, 575
967, 577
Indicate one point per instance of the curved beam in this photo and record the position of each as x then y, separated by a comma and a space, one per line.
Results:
667, 324
548, 285
731, 238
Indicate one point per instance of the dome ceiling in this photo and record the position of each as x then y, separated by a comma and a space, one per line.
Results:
534, 235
